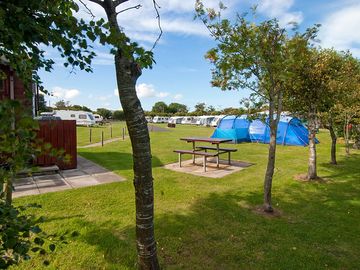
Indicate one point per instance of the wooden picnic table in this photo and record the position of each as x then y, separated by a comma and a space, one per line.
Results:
197, 150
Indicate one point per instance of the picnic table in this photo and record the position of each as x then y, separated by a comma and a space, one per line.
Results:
214, 151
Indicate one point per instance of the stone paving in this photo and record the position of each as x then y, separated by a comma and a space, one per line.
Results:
211, 169
87, 173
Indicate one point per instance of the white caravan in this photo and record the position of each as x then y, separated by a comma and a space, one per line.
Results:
194, 120
98, 118
82, 118
148, 119
187, 120
160, 119
204, 120
215, 122
175, 120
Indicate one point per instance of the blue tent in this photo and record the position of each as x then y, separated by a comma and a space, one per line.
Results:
234, 127
290, 130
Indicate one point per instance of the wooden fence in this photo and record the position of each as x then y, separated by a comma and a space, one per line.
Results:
61, 134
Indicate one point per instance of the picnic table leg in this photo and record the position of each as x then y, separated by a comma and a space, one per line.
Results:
193, 150
180, 160
217, 161
204, 163
229, 158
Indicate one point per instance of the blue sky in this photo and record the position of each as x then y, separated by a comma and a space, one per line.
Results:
181, 73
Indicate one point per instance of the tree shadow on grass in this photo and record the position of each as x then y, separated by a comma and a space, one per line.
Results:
347, 167
318, 228
115, 161
222, 231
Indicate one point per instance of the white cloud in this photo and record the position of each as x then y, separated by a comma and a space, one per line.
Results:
178, 96
144, 90
176, 17
280, 9
60, 92
340, 29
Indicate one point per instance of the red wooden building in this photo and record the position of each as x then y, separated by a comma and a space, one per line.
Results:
60, 133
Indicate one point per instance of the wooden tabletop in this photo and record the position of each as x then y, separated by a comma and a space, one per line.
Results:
205, 139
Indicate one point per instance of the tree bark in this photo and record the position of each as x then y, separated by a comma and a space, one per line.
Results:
270, 168
272, 149
127, 73
346, 135
333, 142
312, 170
8, 189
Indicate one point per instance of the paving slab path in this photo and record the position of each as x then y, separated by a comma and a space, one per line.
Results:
87, 173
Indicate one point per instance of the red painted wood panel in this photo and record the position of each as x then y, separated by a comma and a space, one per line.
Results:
61, 134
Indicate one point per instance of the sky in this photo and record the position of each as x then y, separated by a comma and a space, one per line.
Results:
181, 73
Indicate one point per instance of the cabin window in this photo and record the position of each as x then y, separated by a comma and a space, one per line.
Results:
72, 115
82, 116
1, 86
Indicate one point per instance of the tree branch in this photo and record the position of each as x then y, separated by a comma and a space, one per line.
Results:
134, 7
156, 7
99, 2
88, 10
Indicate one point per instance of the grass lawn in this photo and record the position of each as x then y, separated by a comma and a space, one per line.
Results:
83, 133
204, 223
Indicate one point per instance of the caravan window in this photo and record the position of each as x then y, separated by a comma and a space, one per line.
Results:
91, 116
82, 116
72, 115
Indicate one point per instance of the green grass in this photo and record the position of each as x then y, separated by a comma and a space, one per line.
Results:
204, 223
83, 133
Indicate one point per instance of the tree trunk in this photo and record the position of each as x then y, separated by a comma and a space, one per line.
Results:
143, 180
127, 73
346, 135
270, 168
333, 142
312, 170
8, 189
272, 149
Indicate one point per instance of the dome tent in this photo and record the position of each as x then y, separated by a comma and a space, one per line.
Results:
290, 130
234, 127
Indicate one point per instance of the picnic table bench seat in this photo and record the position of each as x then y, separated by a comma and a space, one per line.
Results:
198, 153
214, 148
221, 150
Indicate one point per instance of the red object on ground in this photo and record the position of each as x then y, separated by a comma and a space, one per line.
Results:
61, 134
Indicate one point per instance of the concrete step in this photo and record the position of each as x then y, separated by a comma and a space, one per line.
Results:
40, 170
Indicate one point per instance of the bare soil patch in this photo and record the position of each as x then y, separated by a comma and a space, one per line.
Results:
259, 210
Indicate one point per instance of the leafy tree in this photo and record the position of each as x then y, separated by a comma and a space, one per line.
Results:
105, 113
118, 115
42, 103
160, 107
230, 111
177, 108
25, 25
313, 91
62, 104
210, 109
253, 56
343, 99
200, 108
25, 28
130, 59
86, 109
